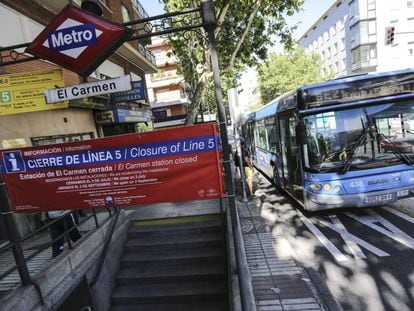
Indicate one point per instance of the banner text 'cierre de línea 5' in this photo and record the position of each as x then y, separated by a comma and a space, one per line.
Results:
173, 165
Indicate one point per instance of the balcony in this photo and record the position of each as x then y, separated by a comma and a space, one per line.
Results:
139, 9
164, 75
170, 101
168, 96
166, 61
169, 121
148, 54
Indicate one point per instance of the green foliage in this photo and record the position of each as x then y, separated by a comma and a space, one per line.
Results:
243, 37
285, 72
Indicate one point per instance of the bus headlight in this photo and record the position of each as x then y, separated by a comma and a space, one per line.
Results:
337, 189
315, 187
326, 187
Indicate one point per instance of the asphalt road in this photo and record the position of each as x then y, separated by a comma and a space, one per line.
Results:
363, 258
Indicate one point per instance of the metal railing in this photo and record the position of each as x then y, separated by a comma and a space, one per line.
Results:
36, 248
148, 54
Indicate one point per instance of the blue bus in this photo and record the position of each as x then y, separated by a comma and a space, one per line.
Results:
347, 142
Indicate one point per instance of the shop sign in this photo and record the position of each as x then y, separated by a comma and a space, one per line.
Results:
24, 92
105, 117
122, 83
78, 40
135, 94
13, 143
122, 116
125, 170
134, 116
89, 103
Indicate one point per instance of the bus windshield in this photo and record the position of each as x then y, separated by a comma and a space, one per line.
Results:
360, 138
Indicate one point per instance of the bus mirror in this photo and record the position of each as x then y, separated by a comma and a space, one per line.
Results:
301, 133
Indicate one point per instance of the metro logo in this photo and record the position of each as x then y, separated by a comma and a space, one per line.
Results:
72, 37
78, 40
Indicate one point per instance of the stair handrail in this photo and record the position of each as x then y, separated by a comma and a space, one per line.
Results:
105, 248
245, 280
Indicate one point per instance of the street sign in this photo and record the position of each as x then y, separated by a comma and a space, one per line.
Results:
107, 86
78, 40
135, 94
175, 165
24, 92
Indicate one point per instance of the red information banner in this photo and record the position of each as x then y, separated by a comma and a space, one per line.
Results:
173, 165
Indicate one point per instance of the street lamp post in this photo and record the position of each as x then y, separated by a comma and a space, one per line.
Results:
209, 23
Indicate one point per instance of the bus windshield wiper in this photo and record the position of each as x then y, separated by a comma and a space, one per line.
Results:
400, 155
348, 161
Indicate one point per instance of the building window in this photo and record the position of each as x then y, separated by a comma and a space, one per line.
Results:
332, 31
339, 26
125, 14
335, 48
371, 8
364, 56
410, 48
320, 41
342, 44
325, 36
352, 9
343, 64
368, 31
410, 4
329, 52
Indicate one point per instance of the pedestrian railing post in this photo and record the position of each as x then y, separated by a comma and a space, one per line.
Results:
95, 218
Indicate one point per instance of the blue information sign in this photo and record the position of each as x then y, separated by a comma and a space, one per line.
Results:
136, 93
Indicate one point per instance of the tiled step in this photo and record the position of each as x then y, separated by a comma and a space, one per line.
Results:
174, 242
169, 293
190, 306
174, 229
173, 256
174, 273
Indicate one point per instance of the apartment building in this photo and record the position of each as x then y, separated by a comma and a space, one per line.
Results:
352, 36
21, 21
166, 88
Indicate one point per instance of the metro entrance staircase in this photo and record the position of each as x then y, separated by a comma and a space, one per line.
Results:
173, 264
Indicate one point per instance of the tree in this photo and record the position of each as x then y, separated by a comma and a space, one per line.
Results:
243, 37
285, 72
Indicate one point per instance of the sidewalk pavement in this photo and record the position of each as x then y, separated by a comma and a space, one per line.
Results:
278, 281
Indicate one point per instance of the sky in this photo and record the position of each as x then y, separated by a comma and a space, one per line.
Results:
312, 10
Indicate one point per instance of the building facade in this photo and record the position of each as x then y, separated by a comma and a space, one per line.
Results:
21, 21
166, 88
352, 36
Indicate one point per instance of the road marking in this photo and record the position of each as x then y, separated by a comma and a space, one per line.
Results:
390, 230
351, 240
399, 214
346, 236
324, 240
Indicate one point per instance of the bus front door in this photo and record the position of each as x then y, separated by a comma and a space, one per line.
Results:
291, 167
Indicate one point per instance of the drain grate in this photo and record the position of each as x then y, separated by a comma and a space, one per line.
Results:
254, 224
